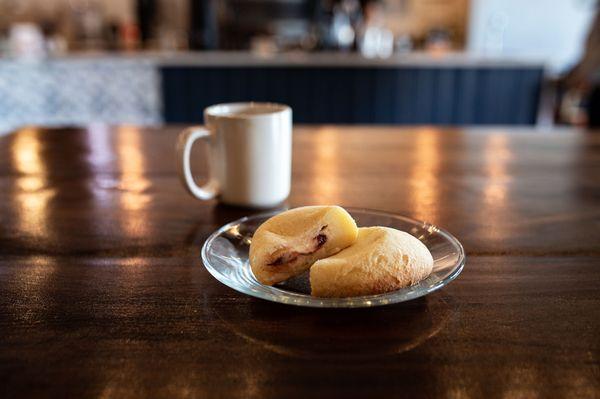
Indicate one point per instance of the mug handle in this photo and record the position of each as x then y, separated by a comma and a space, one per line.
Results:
184, 148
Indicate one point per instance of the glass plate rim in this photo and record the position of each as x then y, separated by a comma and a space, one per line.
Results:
388, 298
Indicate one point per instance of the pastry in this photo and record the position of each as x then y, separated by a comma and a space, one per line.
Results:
289, 243
381, 260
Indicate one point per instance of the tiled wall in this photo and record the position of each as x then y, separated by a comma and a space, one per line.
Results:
71, 92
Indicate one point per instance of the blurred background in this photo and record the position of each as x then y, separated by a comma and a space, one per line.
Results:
433, 62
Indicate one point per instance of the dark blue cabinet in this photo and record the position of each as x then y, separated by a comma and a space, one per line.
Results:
370, 95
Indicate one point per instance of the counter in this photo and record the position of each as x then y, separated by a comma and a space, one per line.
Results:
150, 88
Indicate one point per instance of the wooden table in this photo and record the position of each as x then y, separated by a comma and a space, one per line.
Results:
102, 293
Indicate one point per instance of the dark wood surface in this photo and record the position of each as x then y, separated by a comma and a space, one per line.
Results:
102, 293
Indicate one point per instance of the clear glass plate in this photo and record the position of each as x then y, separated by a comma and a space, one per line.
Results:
225, 256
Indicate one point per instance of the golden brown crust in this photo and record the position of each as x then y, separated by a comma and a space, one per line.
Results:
381, 260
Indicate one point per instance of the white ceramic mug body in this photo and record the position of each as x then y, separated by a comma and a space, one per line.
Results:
250, 153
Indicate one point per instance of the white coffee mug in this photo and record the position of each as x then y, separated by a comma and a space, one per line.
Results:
250, 154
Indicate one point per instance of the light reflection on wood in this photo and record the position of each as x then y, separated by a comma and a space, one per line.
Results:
497, 155
424, 175
326, 166
31, 199
26, 153
133, 184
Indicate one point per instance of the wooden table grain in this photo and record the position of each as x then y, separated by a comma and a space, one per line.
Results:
102, 293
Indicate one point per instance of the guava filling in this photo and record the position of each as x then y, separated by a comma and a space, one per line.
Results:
292, 256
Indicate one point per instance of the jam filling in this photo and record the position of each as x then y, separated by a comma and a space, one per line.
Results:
292, 256
321, 240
